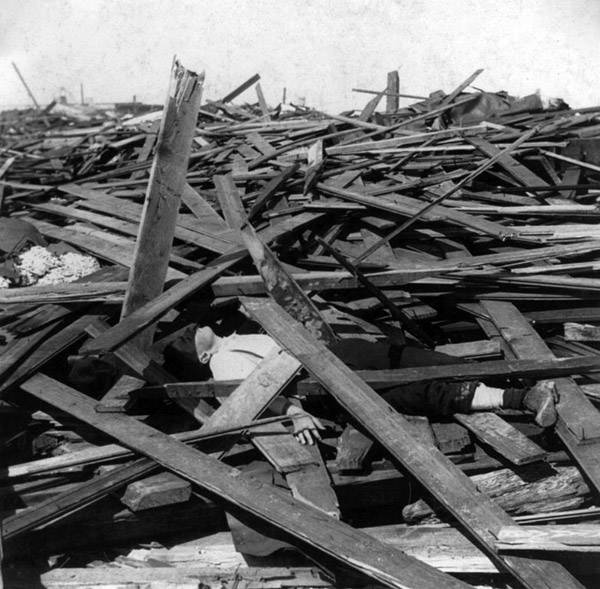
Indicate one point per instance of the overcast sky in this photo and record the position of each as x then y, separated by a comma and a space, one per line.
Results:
318, 49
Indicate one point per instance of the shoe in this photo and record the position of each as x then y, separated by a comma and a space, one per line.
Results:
541, 399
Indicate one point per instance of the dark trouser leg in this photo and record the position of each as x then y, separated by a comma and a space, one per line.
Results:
433, 398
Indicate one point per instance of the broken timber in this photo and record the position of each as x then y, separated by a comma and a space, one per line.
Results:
343, 543
479, 515
163, 196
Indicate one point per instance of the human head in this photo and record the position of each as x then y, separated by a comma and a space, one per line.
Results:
205, 341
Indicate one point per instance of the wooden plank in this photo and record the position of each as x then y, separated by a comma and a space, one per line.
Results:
116, 399
578, 414
255, 392
131, 325
145, 367
305, 524
380, 379
580, 332
518, 171
504, 438
194, 201
146, 315
49, 348
557, 538
163, 196
479, 515
577, 426
241, 88
207, 236
393, 87
278, 282
183, 577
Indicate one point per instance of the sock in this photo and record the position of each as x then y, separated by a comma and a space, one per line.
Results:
487, 398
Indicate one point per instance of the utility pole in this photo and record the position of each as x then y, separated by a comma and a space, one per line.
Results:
35, 102
81, 93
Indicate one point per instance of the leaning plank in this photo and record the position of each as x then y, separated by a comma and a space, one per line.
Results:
226, 484
502, 437
479, 515
278, 282
304, 468
517, 170
155, 309
163, 197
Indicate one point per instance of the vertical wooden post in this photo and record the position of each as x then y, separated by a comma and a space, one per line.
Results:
81, 96
393, 88
35, 102
163, 195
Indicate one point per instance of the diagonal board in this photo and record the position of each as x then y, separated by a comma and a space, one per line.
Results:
578, 425
303, 467
454, 490
273, 506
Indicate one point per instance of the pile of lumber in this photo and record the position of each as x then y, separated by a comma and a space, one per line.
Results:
388, 224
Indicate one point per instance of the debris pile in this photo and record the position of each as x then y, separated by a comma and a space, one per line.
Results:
280, 347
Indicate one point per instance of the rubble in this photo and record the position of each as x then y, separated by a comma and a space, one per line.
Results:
413, 272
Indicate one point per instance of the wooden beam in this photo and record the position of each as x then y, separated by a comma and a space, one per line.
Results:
579, 421
393, 87
556, 538
502, 437
478, 514
163, 196
307, 525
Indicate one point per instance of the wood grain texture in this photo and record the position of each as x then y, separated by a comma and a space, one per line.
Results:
345, 544
478, 514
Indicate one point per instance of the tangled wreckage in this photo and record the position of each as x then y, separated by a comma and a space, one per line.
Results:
273, 347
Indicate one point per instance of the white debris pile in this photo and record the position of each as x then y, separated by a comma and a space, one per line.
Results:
4, 282
42, 267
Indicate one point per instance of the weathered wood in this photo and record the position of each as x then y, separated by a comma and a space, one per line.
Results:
577, 332
479, 350
155, 491
528, 489
190, 577
226, 484
278, 282
504, 438
558, 538
518, 171
575, 412
578, 421
442, 479
136, 321
163, 197
145, 367
393, 87
117, 398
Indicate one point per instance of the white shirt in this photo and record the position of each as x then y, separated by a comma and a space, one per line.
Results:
236, 356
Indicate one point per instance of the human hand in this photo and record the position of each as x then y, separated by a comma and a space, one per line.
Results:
306, 426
